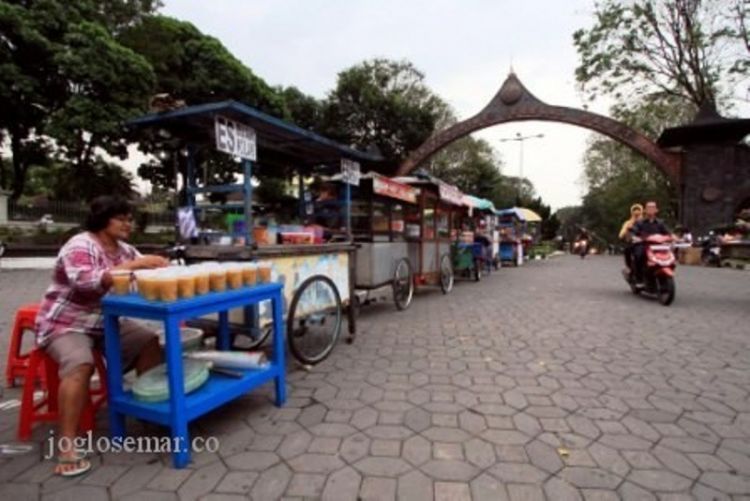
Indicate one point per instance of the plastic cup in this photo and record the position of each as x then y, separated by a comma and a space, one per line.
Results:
234, 275
264, 272
186, 281
249, 274
147, 285
202, 281
217, 277
120, 282
167, 285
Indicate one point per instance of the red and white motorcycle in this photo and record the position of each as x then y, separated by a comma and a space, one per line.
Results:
659, 273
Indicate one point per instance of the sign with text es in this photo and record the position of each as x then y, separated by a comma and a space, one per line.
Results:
235, 139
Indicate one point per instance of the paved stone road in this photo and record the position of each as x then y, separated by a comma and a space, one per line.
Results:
547, 382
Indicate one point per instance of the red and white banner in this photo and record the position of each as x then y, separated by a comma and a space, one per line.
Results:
393, 189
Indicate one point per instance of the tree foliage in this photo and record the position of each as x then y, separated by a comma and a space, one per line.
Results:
383, 104
681, 48
617, 177
195, 68
64, 77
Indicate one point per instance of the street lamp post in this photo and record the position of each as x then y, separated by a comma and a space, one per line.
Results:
518, 137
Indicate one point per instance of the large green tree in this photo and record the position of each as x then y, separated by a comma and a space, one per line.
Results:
383, 104
659, 60
195, 68
302, 109
617, 177
64, 77
679, 48
107, 84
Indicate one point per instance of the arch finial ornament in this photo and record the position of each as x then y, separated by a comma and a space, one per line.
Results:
513, 103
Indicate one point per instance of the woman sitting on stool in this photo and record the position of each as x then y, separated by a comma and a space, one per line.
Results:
70, 323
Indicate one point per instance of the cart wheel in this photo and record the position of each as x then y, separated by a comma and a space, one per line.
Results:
403, 284
446, 274
314, 320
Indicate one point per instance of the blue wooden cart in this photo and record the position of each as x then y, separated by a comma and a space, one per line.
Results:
180, 409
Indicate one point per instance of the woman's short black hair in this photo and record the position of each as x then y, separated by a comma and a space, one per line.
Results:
104, 208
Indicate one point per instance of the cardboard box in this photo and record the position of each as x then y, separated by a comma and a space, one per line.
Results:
690, 256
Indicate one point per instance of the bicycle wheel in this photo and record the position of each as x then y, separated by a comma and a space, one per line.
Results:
403, 284
314, 320
446, 274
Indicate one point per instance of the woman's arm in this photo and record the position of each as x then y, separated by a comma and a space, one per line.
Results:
85, 273
147, 262
83, 270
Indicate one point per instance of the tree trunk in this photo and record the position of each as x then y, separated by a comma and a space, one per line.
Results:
19, 166
2, 174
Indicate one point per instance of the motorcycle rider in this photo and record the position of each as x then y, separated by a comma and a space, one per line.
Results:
647, 226
582, 242
636, 212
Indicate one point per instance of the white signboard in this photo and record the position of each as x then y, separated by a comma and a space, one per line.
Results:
235, 139
350, 172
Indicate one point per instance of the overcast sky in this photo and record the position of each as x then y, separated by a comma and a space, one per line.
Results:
465, 49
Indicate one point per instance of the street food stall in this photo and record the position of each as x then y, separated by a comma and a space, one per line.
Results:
377, 211
317, 276
474, 249
430, 228
532, 229
511, 226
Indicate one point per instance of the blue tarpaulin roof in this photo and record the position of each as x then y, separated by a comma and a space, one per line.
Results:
280, 139
513, 211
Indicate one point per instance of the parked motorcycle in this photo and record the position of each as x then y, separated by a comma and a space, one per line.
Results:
659, 271
710, 250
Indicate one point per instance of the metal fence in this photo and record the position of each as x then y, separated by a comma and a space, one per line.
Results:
70, 212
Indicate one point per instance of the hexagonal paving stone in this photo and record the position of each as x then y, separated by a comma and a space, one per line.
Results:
343, 484
382, 466
452, 470
415, 486
315, 463
252, 461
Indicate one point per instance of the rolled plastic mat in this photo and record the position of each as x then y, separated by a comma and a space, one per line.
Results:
231, 359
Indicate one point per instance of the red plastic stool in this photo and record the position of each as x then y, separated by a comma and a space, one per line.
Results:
18, 363
31, 412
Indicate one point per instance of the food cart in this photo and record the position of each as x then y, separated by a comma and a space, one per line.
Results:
480, 229
511, 223
318, 278
430, 228
378, 205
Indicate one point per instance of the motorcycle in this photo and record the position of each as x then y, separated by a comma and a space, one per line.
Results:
582, 247
659, 272
711, 250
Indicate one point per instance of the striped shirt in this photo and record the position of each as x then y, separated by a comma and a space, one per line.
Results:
73, 302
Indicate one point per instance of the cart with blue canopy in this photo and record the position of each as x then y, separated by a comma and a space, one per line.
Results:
511, 223
318, 276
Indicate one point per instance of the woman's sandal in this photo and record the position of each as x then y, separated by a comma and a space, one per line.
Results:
72, 467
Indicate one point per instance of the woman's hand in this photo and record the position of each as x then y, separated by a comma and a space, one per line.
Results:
146, 262
150, 261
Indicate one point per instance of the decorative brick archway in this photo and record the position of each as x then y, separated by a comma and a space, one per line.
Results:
514, 103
